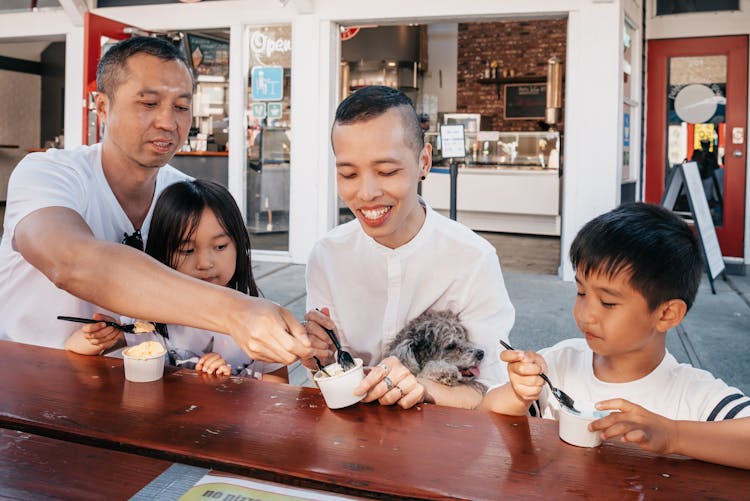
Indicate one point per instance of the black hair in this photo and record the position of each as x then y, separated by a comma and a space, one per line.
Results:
373, 101
176, 216
112, 69
653, 245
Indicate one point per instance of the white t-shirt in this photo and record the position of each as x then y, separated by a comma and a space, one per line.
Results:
373, 291
673, 390
190, 343
29, 302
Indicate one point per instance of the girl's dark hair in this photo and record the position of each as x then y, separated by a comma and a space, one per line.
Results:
652, 244
177, 214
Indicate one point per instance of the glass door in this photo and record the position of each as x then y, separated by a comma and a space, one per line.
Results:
697, 108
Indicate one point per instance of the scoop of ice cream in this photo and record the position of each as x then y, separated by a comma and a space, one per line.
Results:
140, 327
146, 349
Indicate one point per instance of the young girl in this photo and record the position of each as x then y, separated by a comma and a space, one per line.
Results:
196, 229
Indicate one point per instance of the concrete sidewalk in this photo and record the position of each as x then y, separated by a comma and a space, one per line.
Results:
716, 333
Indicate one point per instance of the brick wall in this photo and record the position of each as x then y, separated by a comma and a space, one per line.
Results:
524, 46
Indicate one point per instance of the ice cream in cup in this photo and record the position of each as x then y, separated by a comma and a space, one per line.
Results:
574, 426
144, 362
338, 386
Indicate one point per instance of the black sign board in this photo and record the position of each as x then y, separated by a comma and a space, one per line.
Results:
688, 175
525, 101
210, 56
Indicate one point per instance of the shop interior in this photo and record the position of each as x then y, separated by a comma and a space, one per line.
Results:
489, 76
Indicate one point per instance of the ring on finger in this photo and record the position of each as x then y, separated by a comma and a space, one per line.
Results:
385, 367
400, 392
388, 383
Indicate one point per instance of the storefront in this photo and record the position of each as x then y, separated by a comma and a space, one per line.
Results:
598, 154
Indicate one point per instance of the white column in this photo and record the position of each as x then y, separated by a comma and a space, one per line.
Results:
593, 109
74, 86
314, 89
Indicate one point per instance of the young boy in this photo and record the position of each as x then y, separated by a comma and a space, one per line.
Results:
638, 268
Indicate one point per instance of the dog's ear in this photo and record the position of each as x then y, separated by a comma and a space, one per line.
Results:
404, 351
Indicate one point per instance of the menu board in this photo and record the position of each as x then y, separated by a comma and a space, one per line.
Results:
525, 101
210, 56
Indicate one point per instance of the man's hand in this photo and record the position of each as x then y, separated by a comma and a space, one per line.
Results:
316, 321
635, 424
390, 382
270, 333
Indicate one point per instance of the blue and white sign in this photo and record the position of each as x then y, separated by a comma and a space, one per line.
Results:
268, 83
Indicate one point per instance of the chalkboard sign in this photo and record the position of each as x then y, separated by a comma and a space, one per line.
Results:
525, 101
688, 175
209, 56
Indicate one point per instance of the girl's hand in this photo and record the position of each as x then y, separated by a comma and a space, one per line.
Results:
635, 424
213, 363
100, 334
524, 368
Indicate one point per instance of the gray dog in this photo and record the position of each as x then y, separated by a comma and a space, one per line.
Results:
435, 346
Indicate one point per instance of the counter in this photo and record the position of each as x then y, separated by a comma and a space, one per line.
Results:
508, 199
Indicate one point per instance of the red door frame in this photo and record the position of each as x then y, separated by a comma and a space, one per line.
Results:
732, 233
94, 28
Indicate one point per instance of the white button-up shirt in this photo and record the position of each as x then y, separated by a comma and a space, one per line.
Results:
373, 291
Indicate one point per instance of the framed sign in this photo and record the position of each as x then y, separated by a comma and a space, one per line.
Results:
525, 101
452, 141
210, 56
687, 175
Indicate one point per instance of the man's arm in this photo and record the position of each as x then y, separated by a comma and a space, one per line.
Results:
58, 243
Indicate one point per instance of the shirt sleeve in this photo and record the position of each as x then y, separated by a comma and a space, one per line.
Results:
316, 282
488, 316
711, 399
38, 182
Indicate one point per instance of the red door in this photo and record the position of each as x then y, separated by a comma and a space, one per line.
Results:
697, 110
98, 31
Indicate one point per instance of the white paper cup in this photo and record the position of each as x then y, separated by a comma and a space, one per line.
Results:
574, 426
338, 390
143, 370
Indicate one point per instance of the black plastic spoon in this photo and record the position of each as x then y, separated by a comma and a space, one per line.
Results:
560, 395
344, 359
124, 327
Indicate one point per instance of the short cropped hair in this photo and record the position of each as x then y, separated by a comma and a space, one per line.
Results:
112, 70
373, 101
652, 244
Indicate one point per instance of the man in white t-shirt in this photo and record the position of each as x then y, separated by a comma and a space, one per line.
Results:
638, 268
399, 258
68, 212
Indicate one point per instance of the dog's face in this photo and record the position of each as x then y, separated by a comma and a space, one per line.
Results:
438, 336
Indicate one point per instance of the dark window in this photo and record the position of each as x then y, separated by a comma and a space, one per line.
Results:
665, 7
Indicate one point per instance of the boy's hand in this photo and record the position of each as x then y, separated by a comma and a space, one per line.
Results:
635, 424
316, 321
524, 368
213, 363
101, 334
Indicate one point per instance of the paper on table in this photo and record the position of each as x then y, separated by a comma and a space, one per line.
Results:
213, 486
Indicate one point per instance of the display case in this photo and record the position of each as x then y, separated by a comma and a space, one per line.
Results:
268, 181
538, 150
